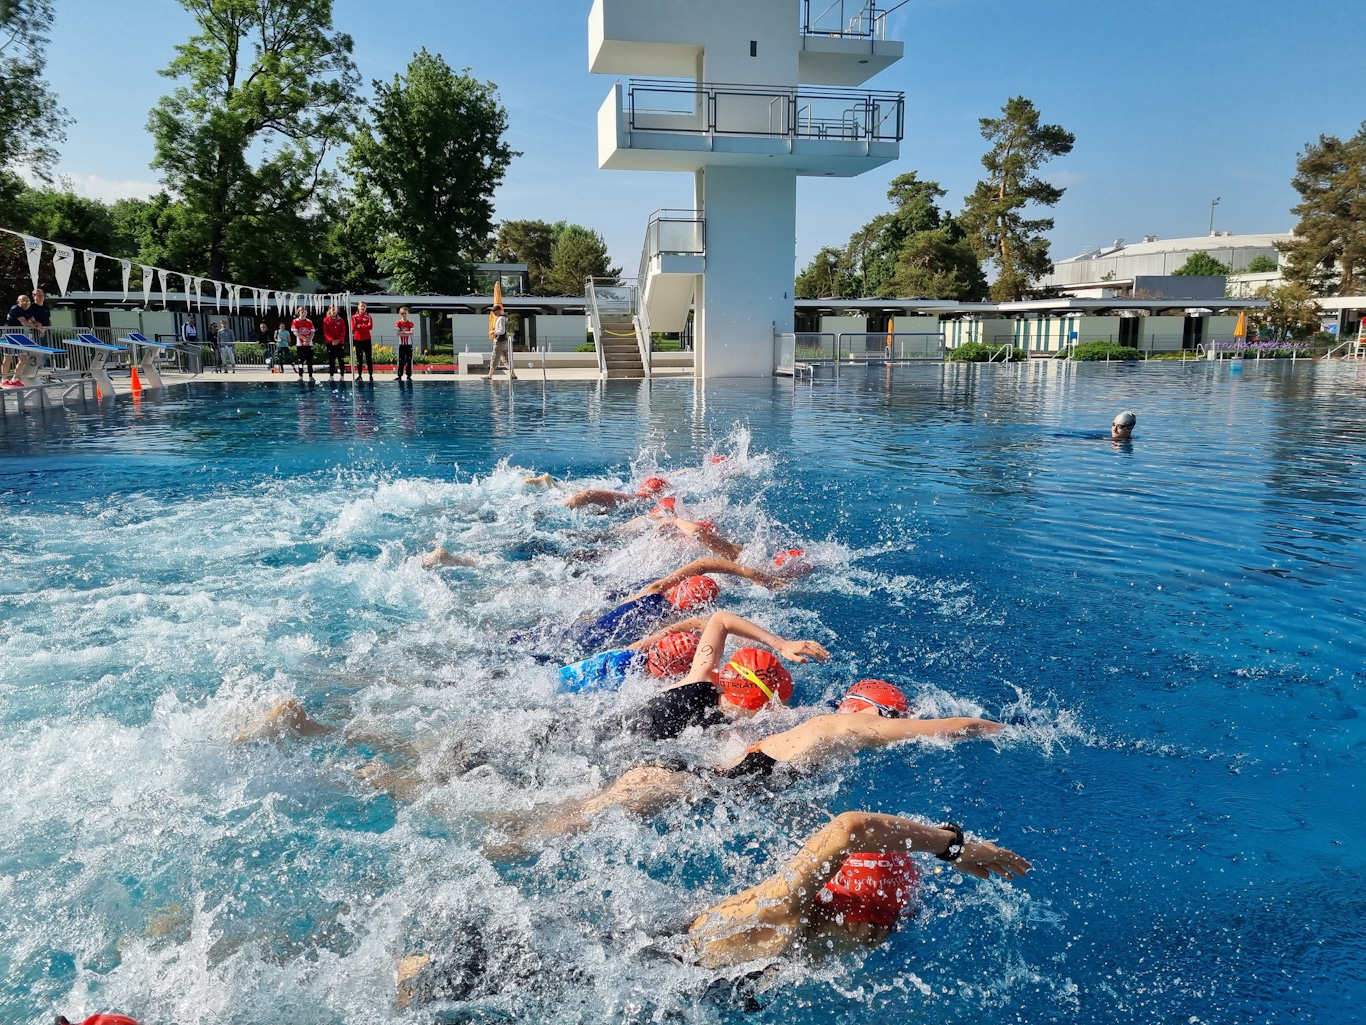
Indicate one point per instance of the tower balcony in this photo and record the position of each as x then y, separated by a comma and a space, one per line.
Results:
666, 125
844, 42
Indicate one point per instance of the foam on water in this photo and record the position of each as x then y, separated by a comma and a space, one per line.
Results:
154, 864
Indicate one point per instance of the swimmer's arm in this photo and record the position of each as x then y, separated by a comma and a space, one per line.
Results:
850, 733
821, 856
717, 545
714, 565
711, 648
598, 497
693, 624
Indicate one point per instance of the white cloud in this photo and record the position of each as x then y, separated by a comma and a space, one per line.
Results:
92, 186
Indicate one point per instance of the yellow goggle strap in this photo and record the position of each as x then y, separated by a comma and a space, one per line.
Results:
748, 675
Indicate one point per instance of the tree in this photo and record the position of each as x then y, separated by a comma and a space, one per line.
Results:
823, 277
531, 243
993, 214
1262, 264
1202, 265
1291, 309
1327, 250
429, 165
269, 92
579, 253
917, 249
31, 123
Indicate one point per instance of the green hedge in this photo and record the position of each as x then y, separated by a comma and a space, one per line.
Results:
981, 352
1102, 351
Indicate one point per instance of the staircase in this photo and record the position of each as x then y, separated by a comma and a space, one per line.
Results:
620, 346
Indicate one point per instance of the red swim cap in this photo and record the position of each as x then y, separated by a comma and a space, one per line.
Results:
109, 1019
783, 558
753, 678
692, 592
718, 459
666, 505
872, 888
880, 695
652, 486
672, 654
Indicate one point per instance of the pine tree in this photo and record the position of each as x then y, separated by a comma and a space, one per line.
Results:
993, 214
1327, 251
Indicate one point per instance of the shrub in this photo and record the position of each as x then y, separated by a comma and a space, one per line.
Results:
1092, 351
385, 354
587, 347
249, 353
981, 352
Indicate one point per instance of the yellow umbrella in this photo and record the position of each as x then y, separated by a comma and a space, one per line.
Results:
497, 301
1241, 330
891, 329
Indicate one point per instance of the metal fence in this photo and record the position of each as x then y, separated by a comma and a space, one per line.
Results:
889, 346
849, 19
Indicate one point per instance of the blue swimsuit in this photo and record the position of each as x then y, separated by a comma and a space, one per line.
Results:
625, 623
606, 671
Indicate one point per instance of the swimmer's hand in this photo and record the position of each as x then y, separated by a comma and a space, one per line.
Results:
982, 859
541, 480
802, 651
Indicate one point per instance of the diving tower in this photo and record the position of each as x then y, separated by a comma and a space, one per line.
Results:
746, 95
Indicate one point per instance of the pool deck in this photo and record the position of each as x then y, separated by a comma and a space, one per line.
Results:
261, 374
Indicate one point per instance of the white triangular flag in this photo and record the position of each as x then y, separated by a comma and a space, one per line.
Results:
34, 249
161, 279
89, 258
127, 273
198, 298
218, 296
146, 285
63, 260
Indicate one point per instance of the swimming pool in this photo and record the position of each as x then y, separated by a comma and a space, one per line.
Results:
1173, 627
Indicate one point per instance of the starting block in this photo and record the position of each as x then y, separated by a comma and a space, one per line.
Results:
31, 355
98, 368
145, 352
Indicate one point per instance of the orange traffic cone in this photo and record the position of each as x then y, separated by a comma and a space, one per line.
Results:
137, 381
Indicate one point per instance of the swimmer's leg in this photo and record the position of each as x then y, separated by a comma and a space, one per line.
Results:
644, 792
597, 497
441, 557
286, 719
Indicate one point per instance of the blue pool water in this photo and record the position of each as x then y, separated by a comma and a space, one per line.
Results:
1174, 628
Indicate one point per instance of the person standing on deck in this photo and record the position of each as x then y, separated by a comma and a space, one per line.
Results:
40, 315
282, 353
502, 347
227, 351
303, 332
361, 326
334, 334
19, 316
405, 328
265, 338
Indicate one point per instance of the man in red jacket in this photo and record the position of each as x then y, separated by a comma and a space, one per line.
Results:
361, 326
334, 334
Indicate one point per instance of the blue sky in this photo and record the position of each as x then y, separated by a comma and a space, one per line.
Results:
1173, 102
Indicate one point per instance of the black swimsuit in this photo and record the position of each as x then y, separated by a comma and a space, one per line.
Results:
670, 713
755, 763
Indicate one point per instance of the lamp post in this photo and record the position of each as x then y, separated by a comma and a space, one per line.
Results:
1211, 214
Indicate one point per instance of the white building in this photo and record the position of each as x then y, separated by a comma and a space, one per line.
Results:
744, 95
1110, 271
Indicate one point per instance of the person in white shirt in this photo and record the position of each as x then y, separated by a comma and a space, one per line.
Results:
502, 347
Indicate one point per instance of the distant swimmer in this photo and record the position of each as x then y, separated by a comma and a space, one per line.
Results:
1122, 428
845, 890
874, 713
659, 603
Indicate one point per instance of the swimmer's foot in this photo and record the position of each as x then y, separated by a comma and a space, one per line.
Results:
441, 557
285, 719
543, 480
409, 970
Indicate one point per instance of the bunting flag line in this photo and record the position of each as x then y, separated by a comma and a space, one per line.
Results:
198, 299
34, 249
218, 296
89, 258
146, 285
127, 273
63, 260
161, 279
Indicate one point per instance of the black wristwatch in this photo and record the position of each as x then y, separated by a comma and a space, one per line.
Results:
954, 851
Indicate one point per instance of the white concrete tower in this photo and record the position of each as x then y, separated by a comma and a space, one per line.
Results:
747, 95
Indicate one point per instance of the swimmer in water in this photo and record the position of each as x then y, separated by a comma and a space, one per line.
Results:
650, 487
1122, 427
659, 603
873, 714
844, 891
